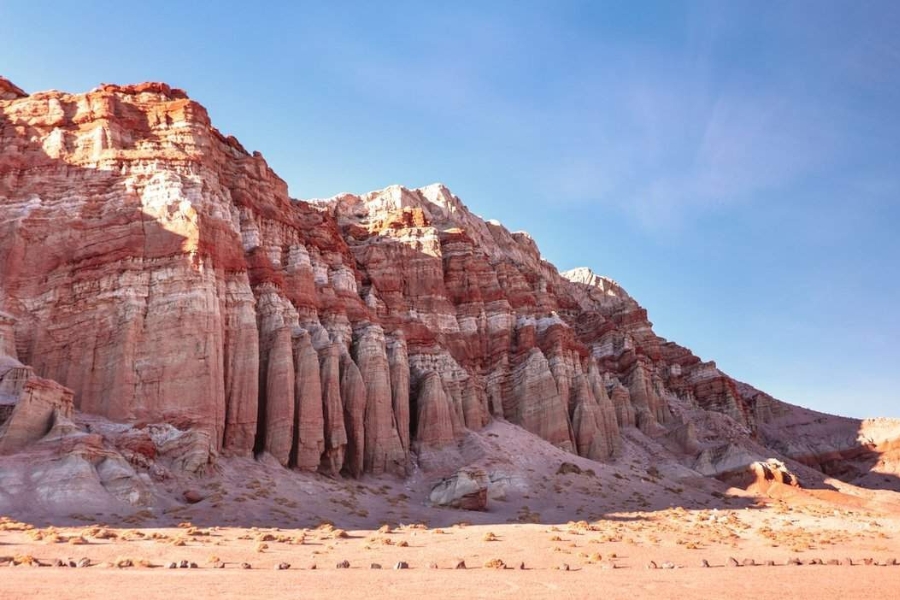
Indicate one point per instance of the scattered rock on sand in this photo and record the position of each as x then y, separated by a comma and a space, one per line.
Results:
460, 565
283, 566
401, 565
246, 566
374, 566
733, 562
344, 564
652, 565
704, 563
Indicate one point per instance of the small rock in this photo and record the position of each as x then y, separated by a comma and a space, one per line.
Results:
344, 564
564, 567
312, 567
521, 566
219, 565
732, 562
835, 562
282, 566
795, 561
193, 565
172, 565
868, 561
246, 566
59, 563
193, 496
401, 565
848, 562
704, 563
668, 565
72, 563
749, 562
374, 566
770, 563
460, 565
433, 566
83, 563
652, 565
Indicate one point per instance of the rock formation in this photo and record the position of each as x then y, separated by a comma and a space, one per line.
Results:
159, 271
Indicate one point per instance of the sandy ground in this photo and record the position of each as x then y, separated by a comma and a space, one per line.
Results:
588, 534
607, 558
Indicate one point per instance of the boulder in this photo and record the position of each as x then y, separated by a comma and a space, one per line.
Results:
467, 490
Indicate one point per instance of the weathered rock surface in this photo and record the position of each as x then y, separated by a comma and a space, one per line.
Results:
466, 489
159, 271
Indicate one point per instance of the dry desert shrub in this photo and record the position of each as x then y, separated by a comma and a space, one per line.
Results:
7, 524
495, 563
490, 537
99, 533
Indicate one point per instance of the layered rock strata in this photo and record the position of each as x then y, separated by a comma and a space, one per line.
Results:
160, 271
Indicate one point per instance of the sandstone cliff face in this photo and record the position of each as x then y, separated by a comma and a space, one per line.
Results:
160, 271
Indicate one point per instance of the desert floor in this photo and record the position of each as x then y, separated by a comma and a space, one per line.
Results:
607, 558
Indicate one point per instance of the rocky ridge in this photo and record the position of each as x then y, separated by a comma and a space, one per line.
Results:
160, 273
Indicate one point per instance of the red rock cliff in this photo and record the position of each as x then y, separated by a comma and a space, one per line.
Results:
160, 271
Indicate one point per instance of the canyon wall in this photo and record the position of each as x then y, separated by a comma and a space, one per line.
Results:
161, 272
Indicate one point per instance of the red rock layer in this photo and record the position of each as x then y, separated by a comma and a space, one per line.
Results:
159, 270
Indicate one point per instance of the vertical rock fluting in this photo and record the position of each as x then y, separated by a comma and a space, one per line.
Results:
353, 398
606, 413
279, 390
8, 335
241, 370
332, 410
434, 424
540, 410
309, 423
383, 448
621, 401
398, 360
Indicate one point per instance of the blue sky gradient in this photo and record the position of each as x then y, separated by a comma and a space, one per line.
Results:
735, 165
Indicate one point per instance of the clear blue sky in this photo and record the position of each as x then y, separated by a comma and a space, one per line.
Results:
735, 165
